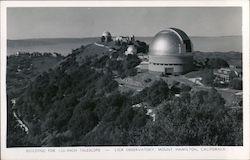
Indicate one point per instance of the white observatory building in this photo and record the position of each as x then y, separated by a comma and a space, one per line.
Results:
131, 50
170, 52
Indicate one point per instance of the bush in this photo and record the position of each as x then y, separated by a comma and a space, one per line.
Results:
217, 63
147, 80
185, 88
208, 78
155, 94
236, 84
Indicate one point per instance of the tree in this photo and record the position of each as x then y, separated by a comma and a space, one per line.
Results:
217, 63
236, 84
155, 94
201, 120
208, 78
232, 75
131, 61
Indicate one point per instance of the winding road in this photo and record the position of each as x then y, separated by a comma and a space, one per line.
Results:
21, 124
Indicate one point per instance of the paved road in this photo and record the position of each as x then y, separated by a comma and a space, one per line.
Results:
101, 45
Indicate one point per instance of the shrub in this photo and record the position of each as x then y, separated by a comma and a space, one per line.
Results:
236, 84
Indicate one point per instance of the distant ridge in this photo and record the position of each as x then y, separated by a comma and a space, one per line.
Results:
49, 40
98, 37
65, 45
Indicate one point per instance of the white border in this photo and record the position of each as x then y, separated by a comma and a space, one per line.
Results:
110, 152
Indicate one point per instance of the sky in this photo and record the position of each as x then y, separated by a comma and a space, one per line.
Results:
23, 23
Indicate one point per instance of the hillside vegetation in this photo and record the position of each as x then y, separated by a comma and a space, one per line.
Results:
77, 103
21, 71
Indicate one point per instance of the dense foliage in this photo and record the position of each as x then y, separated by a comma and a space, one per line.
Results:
208, 77
21, 70
217, 59
211, 63
197, 119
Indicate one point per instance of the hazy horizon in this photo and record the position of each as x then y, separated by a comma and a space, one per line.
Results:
135, 36
83, 22
65, 45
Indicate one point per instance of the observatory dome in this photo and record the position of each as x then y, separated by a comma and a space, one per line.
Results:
106, 37
170, 41
170, 52
106, 34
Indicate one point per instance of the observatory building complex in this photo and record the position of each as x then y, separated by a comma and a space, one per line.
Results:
170, 52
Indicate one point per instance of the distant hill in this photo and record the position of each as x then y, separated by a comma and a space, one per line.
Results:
48, 41
65, 45
60, 45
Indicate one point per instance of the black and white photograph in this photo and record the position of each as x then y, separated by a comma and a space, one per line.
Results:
124, 76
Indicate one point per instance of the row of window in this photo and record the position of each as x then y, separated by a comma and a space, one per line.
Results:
161, 64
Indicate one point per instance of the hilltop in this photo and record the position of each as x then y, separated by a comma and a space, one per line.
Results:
77, 101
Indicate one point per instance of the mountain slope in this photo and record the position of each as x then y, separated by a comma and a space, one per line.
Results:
77, 103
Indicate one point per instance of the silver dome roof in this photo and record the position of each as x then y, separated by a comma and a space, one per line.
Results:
106, 34
168, 42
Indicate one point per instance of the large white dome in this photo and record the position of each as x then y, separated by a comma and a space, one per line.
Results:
170, 41
170, 52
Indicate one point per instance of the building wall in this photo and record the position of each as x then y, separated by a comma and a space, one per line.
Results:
144, 66
179, 63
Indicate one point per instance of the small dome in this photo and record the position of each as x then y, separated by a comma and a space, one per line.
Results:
170, 41
106, 34
132, 48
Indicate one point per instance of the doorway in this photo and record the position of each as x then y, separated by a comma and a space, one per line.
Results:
169, 70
